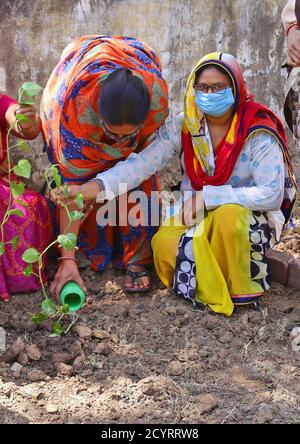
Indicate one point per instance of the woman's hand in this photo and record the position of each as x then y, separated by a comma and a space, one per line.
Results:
192, 210
31, 117
68, 271
28, 128
293, 41
88, 190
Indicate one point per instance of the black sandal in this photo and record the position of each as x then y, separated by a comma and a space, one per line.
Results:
134, 275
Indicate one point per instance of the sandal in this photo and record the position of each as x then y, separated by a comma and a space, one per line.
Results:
134, 275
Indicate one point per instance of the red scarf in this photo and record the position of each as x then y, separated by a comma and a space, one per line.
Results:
251, 116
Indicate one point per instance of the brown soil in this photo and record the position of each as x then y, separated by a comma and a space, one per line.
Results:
151, 359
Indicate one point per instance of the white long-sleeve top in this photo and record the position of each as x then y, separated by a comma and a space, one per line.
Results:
257, 181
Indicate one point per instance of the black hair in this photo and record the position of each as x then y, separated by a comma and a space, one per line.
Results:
209, 66
124, 99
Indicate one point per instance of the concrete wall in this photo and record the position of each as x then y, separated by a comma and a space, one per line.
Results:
35, 32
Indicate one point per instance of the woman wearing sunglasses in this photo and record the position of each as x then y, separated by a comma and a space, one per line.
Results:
104, 100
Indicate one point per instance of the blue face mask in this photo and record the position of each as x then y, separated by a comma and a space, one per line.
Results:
215, 104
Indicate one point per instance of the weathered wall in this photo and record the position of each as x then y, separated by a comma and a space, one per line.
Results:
35, 32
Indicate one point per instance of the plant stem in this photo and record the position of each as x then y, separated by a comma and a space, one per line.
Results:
10, 191
49, 246
40, 277
72, 323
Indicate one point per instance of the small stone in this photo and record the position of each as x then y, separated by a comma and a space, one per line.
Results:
95, 389
23, 359
264, 396
51, 408
175, 368
84, 332
36, 375
64, 357
17, 347
100, 334
177, 322
78, 363
149, 390
211, 322
103, 349
206, 403
296, 344
33, 352
63, 369
16, 369
76, 349
295, 331
2, 340
139, 413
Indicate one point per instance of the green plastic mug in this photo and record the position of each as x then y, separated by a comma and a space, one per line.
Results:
72, 295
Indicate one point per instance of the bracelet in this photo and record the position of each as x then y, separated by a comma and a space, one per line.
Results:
292, 25
67, 257
100, 184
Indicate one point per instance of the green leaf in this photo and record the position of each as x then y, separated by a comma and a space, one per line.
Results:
65, 309
30, 256
22, 118
15, 212
56, 176
23, 169
22, 203
57, 328
2, 249
79, 200
48, 307
23, 146
76, 215
29, 89
17, 189
66, 191
67, 241
39, 318
14, 241
28, 270
27, 102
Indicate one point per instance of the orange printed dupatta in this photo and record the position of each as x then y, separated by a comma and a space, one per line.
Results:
70, 112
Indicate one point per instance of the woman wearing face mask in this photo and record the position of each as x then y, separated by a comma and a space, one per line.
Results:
103, 101
238, 189
234, 152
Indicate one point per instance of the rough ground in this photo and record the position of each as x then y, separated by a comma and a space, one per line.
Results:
151, 359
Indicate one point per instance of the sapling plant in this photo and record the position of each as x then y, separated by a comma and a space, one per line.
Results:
32, 257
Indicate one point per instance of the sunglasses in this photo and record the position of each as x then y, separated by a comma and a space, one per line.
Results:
116, 136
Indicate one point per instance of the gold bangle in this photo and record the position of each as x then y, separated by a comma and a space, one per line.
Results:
67, 257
